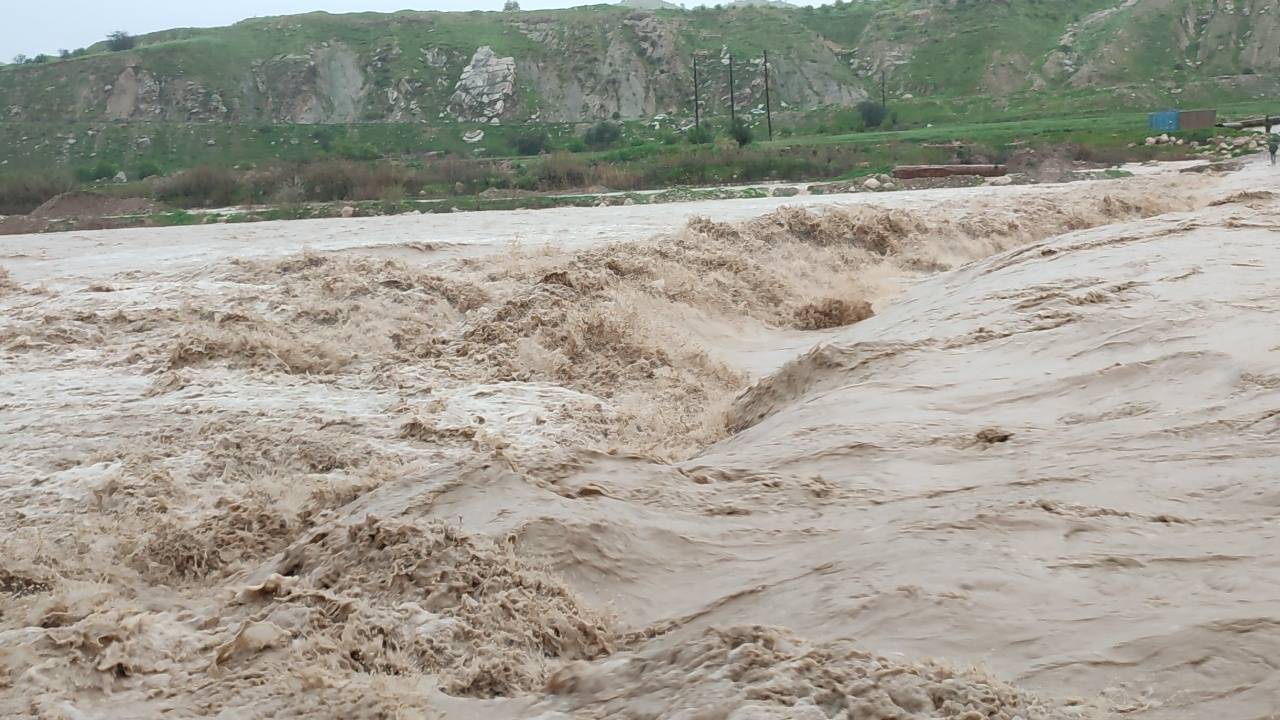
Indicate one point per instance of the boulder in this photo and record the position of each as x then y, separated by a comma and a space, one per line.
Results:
871, 184
121, 177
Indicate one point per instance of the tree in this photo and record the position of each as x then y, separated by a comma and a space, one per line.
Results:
511, 6
120, 40
19, 59
64, 53
741, 132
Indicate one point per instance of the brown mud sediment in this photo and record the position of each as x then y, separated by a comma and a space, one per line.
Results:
599, 482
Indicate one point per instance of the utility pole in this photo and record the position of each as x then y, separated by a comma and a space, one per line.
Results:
768, 107
697, 103
733, 104
884, 94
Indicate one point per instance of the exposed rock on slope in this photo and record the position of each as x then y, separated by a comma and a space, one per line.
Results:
486, 91
587, 63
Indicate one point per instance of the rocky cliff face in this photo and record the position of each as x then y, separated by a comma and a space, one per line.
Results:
486, 91
589, 63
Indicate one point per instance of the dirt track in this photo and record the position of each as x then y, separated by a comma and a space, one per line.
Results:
415, 471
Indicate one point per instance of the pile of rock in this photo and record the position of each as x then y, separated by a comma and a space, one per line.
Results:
879, 182
1217, 145
1240, 145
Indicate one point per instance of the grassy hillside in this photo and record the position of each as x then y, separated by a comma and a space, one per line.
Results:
318, 87
595, 61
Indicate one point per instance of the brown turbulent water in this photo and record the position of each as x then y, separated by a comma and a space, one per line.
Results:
961, 454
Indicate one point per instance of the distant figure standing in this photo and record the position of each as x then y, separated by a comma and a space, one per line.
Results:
1273, 144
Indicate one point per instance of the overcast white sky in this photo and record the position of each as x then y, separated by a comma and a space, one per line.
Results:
46, 26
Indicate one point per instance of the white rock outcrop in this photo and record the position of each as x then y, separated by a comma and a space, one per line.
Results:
486, 90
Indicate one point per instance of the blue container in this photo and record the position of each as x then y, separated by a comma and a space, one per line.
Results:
1166, 121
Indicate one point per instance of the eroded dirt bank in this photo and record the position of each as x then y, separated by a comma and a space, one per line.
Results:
608, 481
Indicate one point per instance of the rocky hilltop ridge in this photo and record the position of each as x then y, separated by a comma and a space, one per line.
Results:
623, 61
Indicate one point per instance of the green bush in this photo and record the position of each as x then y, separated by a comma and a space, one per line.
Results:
350, 150
534, 142
145, 170
873, 114
602, 135
701, 135
102, 171
741, 132
120, 40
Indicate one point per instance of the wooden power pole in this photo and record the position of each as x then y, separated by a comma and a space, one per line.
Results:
768, 107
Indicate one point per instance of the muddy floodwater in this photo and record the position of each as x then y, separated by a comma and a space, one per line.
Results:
998, 452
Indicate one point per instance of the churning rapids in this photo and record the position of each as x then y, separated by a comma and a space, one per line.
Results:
987, 453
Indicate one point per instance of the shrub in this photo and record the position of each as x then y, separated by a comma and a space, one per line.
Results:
146, 169
356, 151
102, 171
202, 186
22, 192
392, 196
562, 170
602, 135
291, 192
120, 40
873, 114
615, 177
741, 132
534, 142
455, 172
323, 137
345, 180
701, 135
